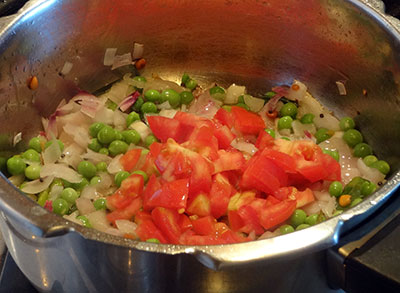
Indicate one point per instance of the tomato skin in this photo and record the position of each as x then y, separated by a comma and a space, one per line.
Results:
220, 194
247, 122
204, 226
264, 140
199, 205
250, 219
200, 179
228, 161
127, 212
224, 117
332, 166
167, 221
147, 229
130, 159
282, 160
224, 136
276, 214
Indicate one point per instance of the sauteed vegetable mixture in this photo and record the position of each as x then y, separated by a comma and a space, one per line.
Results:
161, 162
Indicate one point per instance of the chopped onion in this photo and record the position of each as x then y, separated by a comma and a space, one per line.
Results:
89, 103
17, 180
205, 106
109, 56
55, 192
119, 120
72, 217
126, 226
326, 202
72, 155
254, 104
164, 106
268, 234
17, 138
50, 126
233, 92
52, 153
141, 128
98, 220
94, 157
38, 185
89, 192
114, 231
312, 208
129, 101
169, 113
119, 91
341, 88
60, 171
121, 60
106, 181
115, 165
84, 206
66, 68
369, 173
244, 147
105, 116
160, 85
137, 51
297, 91
300, 130
78, 133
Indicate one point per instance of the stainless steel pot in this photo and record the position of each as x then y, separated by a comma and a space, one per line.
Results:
257, 43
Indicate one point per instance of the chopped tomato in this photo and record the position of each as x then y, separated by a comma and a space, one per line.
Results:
247, 122
203, 141
184, 222
127, 212
164, 128
118, 200
224, 136
204, 226
155, 148
250, 220
224, 117
235, 220
282, 160
130, 159
241, 199
220, 194
304, 197
285, 193
228, 161
190, 238
147, 230
264, 140
167, 221
142, 216
199, 205
133, 185
276, 214
152, 187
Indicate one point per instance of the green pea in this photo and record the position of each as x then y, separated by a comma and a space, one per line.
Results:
186, 97
15, 165
336, 188
95, 128
132, 117
311, 219
148, 141
241, 99
289, 109
79, 186
60, 143
307, 118
106, 135
101, 166
31, 155
111, 105
191, 84
286, 229
94, 145
95, 180
149, 107
42, 198
382, 166
217, 90
69, 194
172, 96
333, 154
285, 122
355, 202
298, 218
323, 134
138, 104
131, 136
118, 135
352, 137
87, 169
85, 221
243, 105
100, 204
32, 172
346, 123
362, 150
140, 78
144, 175
269, 95
104, 151
369, 160
354, 186
34, 143
60, 206
270, 132
66, 183
120, 176
153, 240
118, 147
302, 226
153, 96
368, 188
185, 78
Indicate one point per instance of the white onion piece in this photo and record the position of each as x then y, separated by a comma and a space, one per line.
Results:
119, 120
105, 116
126, 226
84, 206
55, 192
119, 91
115, 165
109, 56
95, 157
89, 104
52, 153
233, 92
114, 231
72, 217
98, 220
17, 180
160, 85
254, 104
60, 171
138, 50
369, 173
79, 133
312, 208
297, 91
89, 192
17, 138
121, 60
244, 147
75, 118
105, 181
300, 129
269, 234
129, 101
38, 185
141, 128
72, 155
169, 113
326, 202
66, 68
164, 106
341, 88
205, 106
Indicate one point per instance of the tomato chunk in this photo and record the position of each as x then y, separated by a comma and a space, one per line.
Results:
147, 230
167, 221
130, 159
204, 226
247, 122
220, 194
274, 215
127, 212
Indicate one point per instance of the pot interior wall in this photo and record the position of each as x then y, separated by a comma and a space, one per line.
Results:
258, 44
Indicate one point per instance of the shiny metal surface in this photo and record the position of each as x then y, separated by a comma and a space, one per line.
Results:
257, 43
